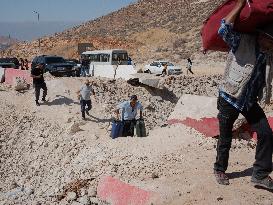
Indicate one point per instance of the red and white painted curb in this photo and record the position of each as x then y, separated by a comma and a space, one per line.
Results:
199, 113
117, 192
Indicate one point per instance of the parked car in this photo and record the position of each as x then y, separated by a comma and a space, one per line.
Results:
56, 65
156, 67
75, 62
9, 63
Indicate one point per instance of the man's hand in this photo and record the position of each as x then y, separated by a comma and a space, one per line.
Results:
241, 2
231, 17
38, 76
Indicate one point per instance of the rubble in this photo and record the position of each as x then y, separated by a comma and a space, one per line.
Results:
20, 84
48, 159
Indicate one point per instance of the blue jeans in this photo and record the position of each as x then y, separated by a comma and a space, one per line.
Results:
84, 71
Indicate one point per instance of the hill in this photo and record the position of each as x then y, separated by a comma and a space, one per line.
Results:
149, 29
5, 42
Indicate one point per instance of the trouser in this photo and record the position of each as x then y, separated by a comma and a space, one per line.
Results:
259, 124
84, 71
128, 128
189, 70
38, 87
85, 103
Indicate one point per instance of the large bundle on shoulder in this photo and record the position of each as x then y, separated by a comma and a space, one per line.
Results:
255, 13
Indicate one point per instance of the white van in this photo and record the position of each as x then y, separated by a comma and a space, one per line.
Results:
110, 63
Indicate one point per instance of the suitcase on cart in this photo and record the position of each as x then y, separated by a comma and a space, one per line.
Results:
117, 129
140, 128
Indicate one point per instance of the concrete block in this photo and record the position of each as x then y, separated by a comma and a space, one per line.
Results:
11, 74
200, 113
2, 74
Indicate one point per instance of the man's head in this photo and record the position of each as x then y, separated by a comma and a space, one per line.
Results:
265, 38
133, 100
87, 82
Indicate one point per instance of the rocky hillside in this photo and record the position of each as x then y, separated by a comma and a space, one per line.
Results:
149, 29
5, 42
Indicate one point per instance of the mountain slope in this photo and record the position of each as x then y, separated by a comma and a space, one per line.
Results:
149, 29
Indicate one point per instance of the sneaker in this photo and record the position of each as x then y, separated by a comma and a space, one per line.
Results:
221, 177
266, 182
43, 99
37, 103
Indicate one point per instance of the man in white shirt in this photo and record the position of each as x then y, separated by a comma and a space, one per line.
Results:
84, 95
128, 115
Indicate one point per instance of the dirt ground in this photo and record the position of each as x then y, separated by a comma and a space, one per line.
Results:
43, 149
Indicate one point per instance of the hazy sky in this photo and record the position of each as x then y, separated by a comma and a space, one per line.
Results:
57, 10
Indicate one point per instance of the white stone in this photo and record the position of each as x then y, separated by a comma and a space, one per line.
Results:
84, 200
71, 196
92, 192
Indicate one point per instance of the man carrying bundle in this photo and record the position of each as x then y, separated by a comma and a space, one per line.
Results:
244, 79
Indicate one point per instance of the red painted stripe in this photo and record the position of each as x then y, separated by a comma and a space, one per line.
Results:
207, 126
11, 74
210, 126
116, 192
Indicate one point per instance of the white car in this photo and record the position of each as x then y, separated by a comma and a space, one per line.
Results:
156, 67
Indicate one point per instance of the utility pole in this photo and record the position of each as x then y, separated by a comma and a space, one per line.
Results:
9, 42
38, 17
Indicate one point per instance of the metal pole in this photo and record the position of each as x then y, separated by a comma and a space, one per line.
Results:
38, 17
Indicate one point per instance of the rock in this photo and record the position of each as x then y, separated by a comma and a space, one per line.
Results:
220, 198
14, 193
76, 203
154, 175
84, 200
71, 196
92, 192
20, 84
69, 120
157, 98
28, 191
94, 200
74, 128
83, 192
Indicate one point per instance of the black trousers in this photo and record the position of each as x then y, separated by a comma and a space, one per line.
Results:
259, 124
38, 87
128, 128
85, 103
189, 70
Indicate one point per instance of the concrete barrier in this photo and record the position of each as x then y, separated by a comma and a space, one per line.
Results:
116, 192
112, 71
149, 79
200, 113
2, 75
11, 74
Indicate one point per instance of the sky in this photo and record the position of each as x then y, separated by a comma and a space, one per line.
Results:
57, 10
